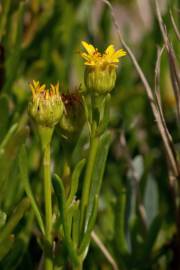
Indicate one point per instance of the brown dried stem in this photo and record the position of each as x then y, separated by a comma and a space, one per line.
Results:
174, 26
104, 250
172, 59
161, 126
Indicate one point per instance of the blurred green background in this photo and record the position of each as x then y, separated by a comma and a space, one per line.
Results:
41, 40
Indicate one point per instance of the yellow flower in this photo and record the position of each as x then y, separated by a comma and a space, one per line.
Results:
41, 91
46, 106
100, 72
95, 59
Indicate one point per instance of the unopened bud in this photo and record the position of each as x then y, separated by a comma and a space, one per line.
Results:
46, 106
100, 80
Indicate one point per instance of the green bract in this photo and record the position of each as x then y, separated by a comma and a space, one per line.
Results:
99, 80
46, 106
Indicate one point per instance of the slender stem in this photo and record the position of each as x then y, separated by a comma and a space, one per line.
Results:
80, 266
88, 175
48, 205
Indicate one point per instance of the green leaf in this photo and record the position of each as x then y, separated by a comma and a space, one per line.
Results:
98, 172
60, 196
120, 237
152, 236
3, 217
88, 111
4, 17
76, 224
5, 247
151, 199
4, 115
86, 238
14, 219
9, 154
13, 59
8, 136
16, 247
25, 180
75, 181
104, 114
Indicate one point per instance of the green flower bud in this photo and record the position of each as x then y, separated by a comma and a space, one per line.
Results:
46, 106
100, 80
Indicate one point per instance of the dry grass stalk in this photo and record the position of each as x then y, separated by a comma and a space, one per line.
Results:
175, 26
104, 250
172, 60
161, 126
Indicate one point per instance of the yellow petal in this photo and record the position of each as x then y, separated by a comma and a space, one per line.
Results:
85, 56
46, 95
52, 88
90, 63
119, 53
41, 88
115, 60
35, 84
57, 88
32, 89
110, 49
89, 48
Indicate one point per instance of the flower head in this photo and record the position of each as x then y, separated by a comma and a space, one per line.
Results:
98, 60
73, 117
100, 73
46, 106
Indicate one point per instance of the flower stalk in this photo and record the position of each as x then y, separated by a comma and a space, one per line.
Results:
88, 176
46, 109
48, 204
99, 77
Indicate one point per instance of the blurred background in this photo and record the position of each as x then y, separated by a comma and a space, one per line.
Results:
41, 40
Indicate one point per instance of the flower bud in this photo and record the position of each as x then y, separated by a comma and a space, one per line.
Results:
100, 80
73, 117
46, 106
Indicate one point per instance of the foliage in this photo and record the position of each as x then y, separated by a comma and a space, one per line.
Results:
131, 206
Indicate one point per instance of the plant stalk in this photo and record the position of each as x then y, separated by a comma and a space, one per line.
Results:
48, 206
87, 179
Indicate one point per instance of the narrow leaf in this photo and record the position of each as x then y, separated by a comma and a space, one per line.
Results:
86, 238
152, 236
120, 237
98, 172
60, 196
24, 178
14, 219
3, 218
75, 181
8, 136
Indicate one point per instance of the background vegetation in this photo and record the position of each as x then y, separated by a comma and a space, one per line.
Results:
138, 213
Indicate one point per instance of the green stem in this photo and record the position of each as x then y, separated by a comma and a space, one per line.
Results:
88, 175
80, 267
48, 205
